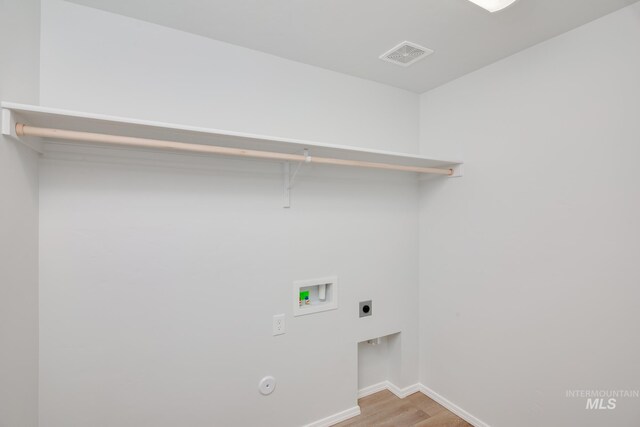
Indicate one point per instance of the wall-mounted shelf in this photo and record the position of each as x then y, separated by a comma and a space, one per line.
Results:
102, 124
34, 125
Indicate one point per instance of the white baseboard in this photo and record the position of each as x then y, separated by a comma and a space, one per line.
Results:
476, 422
404, 392
336, 418
373, 389
388, 385
401, 393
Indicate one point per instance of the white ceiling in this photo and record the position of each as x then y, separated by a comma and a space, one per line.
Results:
348, 35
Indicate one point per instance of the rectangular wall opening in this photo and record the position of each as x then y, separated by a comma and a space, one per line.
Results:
378, 363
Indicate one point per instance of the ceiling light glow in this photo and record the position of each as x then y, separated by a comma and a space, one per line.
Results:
493, 5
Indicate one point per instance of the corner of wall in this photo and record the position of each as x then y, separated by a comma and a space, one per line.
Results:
19, 81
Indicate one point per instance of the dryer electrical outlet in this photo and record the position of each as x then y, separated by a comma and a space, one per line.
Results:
366, 308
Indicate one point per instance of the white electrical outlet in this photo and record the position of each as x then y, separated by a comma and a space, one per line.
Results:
278, 324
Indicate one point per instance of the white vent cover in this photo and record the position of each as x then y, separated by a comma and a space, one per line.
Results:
406, 53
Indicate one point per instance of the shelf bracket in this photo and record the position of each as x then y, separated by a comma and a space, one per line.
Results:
9, 121
289, 179
286, 176
458, 171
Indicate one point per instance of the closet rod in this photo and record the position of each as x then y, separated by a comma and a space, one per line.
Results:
26, 130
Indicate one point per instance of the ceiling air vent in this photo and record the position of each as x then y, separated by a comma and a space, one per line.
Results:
406, 53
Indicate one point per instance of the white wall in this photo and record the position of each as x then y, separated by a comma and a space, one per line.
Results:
19, 53
529, 263
101, 62
159, 278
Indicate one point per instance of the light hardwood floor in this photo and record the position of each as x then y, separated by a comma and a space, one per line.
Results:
385, 409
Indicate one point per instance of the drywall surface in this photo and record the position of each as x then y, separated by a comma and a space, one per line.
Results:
19, 21
101, 62
529, 263
159, 280
160, 273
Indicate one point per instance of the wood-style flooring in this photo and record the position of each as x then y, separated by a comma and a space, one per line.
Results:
385, 409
